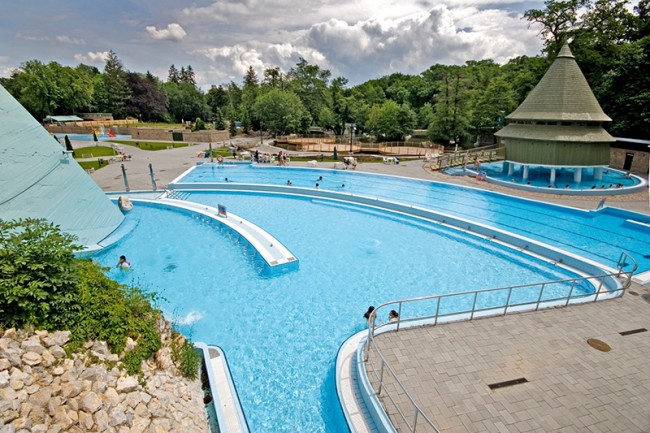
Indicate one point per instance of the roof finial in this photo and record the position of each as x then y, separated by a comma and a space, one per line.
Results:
565, 51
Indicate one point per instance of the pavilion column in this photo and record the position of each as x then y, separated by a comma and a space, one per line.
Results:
525, 176
511, 168
577, 175
552, 180
598, 173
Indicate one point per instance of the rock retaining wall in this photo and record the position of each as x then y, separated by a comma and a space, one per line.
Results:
42, 389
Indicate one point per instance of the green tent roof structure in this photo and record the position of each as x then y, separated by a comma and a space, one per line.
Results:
562, 94
39, 179
560, 121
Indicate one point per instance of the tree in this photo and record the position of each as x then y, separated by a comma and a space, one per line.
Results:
450, 118
559, 22
273, 78
281, 111
187, 75
173, 76
51, 89
219, 123
117, 92
391, 121
232, 127
148, 102
185, 101
309, 82
626, 90
217, 100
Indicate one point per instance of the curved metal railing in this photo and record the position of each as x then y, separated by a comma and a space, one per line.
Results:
480, 307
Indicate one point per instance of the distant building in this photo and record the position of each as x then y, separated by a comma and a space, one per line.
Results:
62, 119
559, 124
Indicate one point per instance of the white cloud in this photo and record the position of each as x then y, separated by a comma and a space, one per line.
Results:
379, 45
6, 71
173, 32
32, 37
97, 57
69, 40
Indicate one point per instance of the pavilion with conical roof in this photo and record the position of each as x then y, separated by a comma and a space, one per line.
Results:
559, 125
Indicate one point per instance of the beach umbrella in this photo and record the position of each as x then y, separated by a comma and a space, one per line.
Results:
68, 145
336, 155
94, 136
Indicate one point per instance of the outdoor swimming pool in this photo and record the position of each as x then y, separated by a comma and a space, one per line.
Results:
281, 333
89, 137
564, 177
599, 235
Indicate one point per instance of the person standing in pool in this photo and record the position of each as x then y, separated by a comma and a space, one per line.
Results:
369, 316
123, 263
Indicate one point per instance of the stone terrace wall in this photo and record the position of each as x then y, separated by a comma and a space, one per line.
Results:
43, 390
206, 136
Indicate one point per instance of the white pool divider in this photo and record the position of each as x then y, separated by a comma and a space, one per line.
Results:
278, 258
230, 417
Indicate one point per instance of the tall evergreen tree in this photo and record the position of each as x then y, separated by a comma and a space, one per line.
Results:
173, 75
116, 86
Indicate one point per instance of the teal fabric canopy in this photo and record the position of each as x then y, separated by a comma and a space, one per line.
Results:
39, 179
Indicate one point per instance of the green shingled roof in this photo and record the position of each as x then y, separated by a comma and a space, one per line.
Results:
572, 133
563, 94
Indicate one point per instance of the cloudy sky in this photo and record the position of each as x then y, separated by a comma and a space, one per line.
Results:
359, 40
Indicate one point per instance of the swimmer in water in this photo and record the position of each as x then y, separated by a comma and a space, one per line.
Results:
123, 263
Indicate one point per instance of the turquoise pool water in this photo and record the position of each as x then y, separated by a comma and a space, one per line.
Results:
564, 177
599, 235
281, 333
89, 137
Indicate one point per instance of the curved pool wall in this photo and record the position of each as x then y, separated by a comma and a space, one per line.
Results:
599, 234
524, 245
537, 182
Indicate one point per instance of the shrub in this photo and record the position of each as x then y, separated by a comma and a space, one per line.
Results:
43, 284
38, 275
185, 356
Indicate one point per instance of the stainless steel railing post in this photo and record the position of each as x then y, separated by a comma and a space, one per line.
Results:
539, 298
381, 375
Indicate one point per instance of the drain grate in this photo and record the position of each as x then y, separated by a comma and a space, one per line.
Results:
633, 331
507, 383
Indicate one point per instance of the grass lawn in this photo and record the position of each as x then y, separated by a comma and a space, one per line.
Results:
90, 164
151, 145
93, 152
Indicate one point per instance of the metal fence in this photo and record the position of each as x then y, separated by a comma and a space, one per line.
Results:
481, 303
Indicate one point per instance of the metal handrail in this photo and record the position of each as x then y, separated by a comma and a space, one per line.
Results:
417, 412
596, 280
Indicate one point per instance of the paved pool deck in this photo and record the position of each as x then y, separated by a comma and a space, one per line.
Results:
169, 164
571, 386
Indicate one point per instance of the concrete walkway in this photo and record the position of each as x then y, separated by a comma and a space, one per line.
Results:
169, 164
571, 386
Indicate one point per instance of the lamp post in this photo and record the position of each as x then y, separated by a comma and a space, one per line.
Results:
351, 126
261, 133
